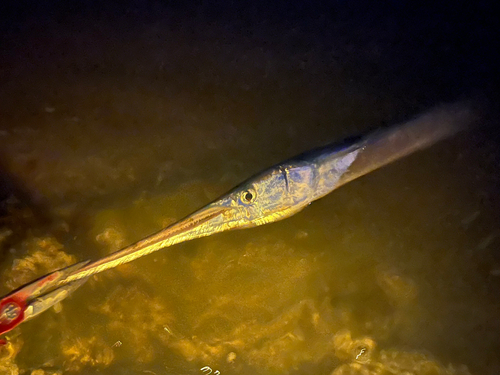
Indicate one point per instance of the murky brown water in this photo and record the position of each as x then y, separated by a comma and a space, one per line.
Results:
111, 132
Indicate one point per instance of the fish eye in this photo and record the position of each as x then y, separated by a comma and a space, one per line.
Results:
248, 196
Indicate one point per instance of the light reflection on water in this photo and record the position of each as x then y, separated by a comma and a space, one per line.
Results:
386, 275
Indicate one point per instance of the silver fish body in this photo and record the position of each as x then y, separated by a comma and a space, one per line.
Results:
288, 187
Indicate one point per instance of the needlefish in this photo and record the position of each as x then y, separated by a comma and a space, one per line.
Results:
274, 194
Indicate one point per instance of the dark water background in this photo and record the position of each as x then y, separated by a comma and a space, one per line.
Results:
118, 118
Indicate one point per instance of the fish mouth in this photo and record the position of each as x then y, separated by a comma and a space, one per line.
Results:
196, 221
203, 221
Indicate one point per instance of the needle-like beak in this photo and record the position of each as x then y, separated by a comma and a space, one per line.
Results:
206, 221
34, 298
201, 223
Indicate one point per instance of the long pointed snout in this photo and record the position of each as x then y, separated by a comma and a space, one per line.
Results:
209, 220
